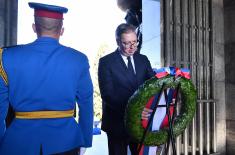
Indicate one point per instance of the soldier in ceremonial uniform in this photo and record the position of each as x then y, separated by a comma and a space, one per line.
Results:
43, 81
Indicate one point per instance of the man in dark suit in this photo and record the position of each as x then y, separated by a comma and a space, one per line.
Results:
120, 74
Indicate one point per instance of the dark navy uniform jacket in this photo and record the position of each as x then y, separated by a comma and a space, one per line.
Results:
45, 75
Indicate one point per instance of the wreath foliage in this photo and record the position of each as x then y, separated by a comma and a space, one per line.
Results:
138, 100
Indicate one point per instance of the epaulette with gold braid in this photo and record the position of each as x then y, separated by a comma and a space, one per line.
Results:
2, 71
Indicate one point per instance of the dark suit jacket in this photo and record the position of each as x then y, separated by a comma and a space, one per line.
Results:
116, 87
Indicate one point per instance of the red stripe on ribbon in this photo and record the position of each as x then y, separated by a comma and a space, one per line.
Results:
148, 105
165, 122
161, 74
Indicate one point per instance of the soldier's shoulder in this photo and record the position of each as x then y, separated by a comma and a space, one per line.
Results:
6, 47
10, 47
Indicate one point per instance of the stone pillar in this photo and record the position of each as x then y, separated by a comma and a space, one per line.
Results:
8, 22
219, 76
229, 36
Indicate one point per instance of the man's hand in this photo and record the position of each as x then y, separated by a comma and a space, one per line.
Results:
146, 113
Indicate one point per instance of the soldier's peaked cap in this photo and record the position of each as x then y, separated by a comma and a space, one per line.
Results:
46, 10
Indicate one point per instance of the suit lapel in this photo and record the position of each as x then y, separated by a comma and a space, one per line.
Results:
121, 66
120, 63
138, 66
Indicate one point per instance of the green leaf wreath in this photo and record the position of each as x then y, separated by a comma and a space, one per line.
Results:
151, 87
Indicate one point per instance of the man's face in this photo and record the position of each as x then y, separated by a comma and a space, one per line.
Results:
128, 43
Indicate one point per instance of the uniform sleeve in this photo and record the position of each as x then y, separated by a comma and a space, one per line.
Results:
4, 103
85, 103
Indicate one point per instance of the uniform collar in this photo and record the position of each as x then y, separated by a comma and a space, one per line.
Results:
47, 39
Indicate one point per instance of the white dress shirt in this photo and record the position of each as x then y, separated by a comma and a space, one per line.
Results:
126, 61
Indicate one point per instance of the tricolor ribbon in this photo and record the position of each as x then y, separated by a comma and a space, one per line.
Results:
174, 71
160, 117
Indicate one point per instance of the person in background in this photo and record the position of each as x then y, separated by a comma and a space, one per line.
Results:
43, 81
120, 73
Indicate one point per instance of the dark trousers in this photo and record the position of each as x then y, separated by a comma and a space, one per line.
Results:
118, 146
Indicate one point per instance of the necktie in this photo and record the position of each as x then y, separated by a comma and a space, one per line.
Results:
130, 67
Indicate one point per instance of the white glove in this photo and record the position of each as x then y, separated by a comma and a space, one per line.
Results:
82, 150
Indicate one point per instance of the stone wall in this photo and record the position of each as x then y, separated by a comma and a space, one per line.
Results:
219, 76
229, 36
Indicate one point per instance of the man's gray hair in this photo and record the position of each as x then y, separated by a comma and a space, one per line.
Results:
48, 25
124, 28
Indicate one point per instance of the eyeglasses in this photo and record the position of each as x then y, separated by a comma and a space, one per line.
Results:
130, 44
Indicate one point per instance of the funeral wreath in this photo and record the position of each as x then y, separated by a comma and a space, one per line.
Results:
151, 87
